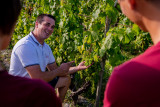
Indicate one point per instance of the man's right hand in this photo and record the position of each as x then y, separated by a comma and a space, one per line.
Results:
64, 68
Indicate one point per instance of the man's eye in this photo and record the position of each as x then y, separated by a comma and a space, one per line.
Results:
53, 27
47, 24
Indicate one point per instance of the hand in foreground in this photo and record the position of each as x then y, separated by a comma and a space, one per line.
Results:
82, 66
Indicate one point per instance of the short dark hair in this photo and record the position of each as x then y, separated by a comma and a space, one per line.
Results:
41, 16
10, 10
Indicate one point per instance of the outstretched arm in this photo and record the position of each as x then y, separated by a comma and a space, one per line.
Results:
80, 67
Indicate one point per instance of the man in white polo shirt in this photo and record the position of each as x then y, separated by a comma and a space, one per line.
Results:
31, 55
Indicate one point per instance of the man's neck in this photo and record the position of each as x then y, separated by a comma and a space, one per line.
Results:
153, 28
151, 20
37, 37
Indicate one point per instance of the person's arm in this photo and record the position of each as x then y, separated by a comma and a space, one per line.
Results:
80, 67
52, 66
35, 71
72, 70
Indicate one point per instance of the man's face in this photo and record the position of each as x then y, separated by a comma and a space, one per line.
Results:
45, 29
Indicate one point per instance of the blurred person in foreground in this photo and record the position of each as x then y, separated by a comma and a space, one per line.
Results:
17, 91
135, 83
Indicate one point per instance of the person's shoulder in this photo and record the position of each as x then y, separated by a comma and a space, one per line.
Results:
41, 84
25, 82
25, 41
129, 69
33, 85
39, 92
36, 83
135, 69
141, 61
45, 93
24, 45
151, 52
126, 65
46, 45
31, 92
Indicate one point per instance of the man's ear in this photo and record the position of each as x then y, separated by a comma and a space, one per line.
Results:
132, 3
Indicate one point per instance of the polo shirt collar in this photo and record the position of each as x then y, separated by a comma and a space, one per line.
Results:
35, 40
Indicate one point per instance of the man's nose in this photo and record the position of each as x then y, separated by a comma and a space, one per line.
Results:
50, 29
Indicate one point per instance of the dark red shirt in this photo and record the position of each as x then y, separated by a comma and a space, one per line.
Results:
24, 92
136, 83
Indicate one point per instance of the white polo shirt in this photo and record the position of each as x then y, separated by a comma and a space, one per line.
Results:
27, 52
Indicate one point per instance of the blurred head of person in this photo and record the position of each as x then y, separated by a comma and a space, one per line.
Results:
140, 11
10, 10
